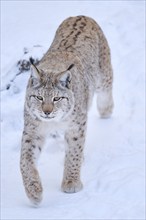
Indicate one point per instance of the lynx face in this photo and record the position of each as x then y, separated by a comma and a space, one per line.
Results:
49, 96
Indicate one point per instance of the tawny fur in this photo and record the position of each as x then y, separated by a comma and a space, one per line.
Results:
59, 93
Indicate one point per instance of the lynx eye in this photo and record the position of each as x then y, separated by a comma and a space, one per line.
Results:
39, 98
56, 99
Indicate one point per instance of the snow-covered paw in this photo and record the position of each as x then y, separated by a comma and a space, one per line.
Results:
105, 108
105, 103
34, 192
106, 112
70, 186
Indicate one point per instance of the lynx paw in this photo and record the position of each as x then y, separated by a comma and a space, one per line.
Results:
105, 103
106, 112
34, 192
71, 186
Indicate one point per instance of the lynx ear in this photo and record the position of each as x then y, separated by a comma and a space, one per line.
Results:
35, 75
35, 72
65, 77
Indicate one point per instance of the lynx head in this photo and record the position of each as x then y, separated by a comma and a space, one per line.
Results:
49, 95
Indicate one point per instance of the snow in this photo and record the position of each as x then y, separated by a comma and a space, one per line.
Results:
113, 171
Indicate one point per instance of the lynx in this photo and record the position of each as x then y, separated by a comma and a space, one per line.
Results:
58, 96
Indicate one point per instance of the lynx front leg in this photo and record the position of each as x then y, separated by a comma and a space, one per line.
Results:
75, 139
31, 148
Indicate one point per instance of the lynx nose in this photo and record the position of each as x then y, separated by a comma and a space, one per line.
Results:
47, 109
47, 113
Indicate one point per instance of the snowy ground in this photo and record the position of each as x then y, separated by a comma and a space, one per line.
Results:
113, 171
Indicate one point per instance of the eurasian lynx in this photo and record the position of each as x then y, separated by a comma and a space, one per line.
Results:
59, 93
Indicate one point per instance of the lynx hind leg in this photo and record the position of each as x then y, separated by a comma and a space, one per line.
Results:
105, 103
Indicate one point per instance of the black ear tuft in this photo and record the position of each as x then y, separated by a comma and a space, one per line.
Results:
31, 60
70, 67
